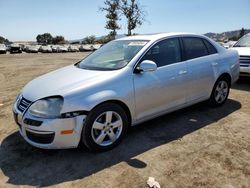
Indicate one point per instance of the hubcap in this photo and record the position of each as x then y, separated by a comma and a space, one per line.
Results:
107, 128
221, 91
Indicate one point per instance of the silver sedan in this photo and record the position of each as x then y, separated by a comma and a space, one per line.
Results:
124, 83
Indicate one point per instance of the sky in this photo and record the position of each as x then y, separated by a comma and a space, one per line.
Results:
23, 20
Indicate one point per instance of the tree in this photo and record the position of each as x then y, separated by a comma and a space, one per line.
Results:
58, 40
133, 14
234, 38
3, 40
105, 39
45, 38
242, 32
89, 40
112, 14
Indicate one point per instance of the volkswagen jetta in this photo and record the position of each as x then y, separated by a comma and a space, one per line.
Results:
124, 83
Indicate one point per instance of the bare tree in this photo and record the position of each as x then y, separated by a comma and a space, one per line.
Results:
133, 13
112, 14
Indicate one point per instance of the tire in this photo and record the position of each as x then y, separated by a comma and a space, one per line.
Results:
220, 92
104, 127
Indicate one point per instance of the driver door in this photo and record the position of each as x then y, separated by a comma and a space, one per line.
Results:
165, 88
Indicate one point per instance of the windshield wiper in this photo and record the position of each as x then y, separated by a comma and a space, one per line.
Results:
241, 46
77, 64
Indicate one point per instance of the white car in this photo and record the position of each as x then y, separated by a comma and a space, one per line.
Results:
73, 48
86, 48
3, 49
45, 49
243, 48
97, 46
62, 49
32, 49
229, 44
124, 83
54, 48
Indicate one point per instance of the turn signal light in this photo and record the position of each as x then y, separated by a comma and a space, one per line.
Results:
67, 131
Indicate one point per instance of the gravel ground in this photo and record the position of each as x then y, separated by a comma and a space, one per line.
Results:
198, 146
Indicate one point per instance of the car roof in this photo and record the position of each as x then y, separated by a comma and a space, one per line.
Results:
157, 36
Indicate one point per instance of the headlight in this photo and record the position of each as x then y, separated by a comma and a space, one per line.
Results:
18, 96
47, 108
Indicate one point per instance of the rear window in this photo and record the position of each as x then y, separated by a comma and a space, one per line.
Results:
194, 47
210, 47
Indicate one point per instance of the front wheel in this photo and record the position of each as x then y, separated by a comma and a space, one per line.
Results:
220, 92
104, 127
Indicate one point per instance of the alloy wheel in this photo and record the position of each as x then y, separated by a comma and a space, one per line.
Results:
107, 128
221, 91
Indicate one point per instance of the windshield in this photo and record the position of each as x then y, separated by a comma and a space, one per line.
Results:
243, 42
112, 56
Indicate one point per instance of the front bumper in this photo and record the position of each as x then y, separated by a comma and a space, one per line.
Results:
245, 69
49, 133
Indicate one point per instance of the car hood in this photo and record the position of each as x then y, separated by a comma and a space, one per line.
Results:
62, 81
242, 50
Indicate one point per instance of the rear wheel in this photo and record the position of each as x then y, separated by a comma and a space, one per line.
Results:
104, 127
220, 92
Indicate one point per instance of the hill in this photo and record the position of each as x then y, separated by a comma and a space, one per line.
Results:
225, 35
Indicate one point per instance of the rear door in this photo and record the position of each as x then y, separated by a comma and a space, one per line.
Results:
201, 63
164, 88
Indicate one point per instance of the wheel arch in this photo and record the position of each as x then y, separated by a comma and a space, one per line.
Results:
122, 105
227, 76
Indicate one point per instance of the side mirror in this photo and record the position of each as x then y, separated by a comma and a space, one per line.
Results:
146, 66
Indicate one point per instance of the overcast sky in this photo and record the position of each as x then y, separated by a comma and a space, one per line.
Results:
74, 19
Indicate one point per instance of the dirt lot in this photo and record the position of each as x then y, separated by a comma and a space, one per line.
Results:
195, 147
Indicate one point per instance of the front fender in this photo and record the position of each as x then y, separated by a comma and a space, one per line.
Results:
119, 87
93, 100
87, 103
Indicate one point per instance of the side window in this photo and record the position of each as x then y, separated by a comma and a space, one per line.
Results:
210, 47
194, 47
164, 52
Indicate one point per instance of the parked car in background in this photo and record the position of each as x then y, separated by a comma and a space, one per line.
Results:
15, 48
7, 47
22, 47
45, 49
124, 83
97, 46
86, 48
62, 49
229, 44
32, 49
243, 48
3, 49
73, 48
54, 48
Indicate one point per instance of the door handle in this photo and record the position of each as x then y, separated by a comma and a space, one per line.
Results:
182, 72
214, 64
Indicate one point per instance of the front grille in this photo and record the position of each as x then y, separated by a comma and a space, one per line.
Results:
245, 60
40, 138
23, 104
